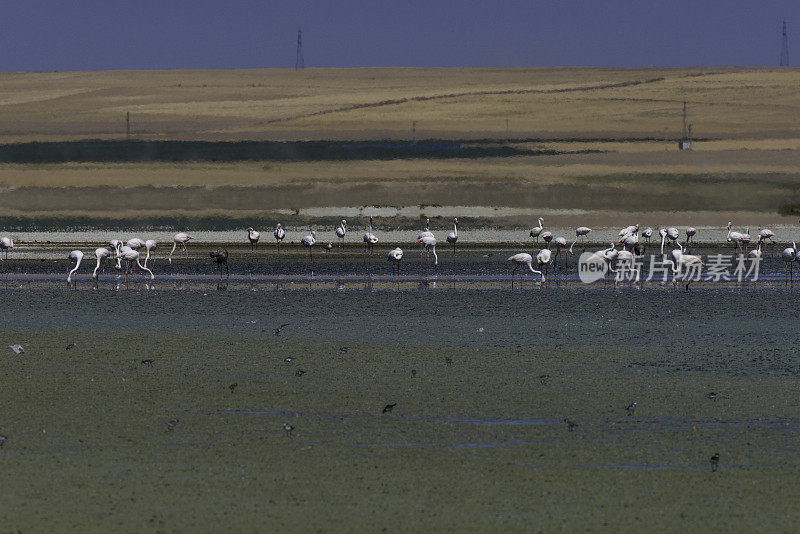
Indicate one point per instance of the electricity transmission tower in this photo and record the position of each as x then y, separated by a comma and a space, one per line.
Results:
785, 47
299, 63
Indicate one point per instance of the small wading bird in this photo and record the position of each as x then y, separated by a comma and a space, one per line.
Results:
221, 257
6, 243
452, 237
369, 239
536, 231
428, 248
341, 230
631, 408
570, 424
308, 242
252, 236
279, 234
180, 239
233, 386
76, 255
395, 256
102, 254
737, 237
714, 462
581, 231
388, 408
288, 429
281, 327
523, 258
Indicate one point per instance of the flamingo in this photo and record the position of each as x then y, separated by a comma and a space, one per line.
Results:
679, 261
764, 234
629, 241
395, 256
252, 236
789, 254
427, 231
756, 252
341, 230
116, 244
279, 234
452, 237
135, 243
5, 244
647, 234
690, 233
737, 237
428, 246
523, 258
101, 254
560, 242
130, 256
580, 231
629, 230
76, 255
369, 239
670, 233
547, 237
150, 245
308, 241
179, 239
543, 259
537, 230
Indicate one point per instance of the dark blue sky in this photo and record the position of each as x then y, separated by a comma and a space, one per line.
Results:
148, 34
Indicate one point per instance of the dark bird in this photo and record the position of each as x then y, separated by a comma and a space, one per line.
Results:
343, 349
71, 345
388, 408
221, 257
570, 424
413, 373
448, 360
544, 378
714, 462
281, 327
711, 396
3, 440
299, 372
289, 359
147, 362
171, 424
233, 387
631, 408
288, 428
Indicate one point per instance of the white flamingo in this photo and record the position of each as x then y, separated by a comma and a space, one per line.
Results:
116, 245
547, 237
135, 243
395, 256
580, 231
764, 234
543, 259
76, 255
452, 237
428, 247
537, 230
647, 234
681, 260
369, 239
252, 236
6, 243
308, 242
150, 245
102, 254
427, 231
560, 242
523, 258
132, 256
279, 234
629, 230
179, 239
756, 252
341, 230
670, 233
737, 237
789, 254
690, 233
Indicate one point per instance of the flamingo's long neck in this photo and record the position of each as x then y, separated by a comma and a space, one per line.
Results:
573, 243
663, 238
435, 257
144, 268
77, 264
174, 246
97, 268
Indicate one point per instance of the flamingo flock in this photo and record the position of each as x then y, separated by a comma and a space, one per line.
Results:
130, 252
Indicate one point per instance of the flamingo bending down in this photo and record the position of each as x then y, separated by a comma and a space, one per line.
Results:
279, 234
116, 244
76, 255
560, 242
341, 230
680, 260
523, 258
150, 245
670, 233
369, 239
179, 239
452, 237
737, 237
647, 234
252, 236
135, 243
395, 256
756, 252
580, 231
428, 247
132, 256
537, 230
629, 230
101, 254
5, 244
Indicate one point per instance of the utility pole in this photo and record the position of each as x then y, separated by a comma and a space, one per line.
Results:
684, 121
299, 62
414, 132
785, 47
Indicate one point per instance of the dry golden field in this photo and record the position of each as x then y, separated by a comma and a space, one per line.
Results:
746, 157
